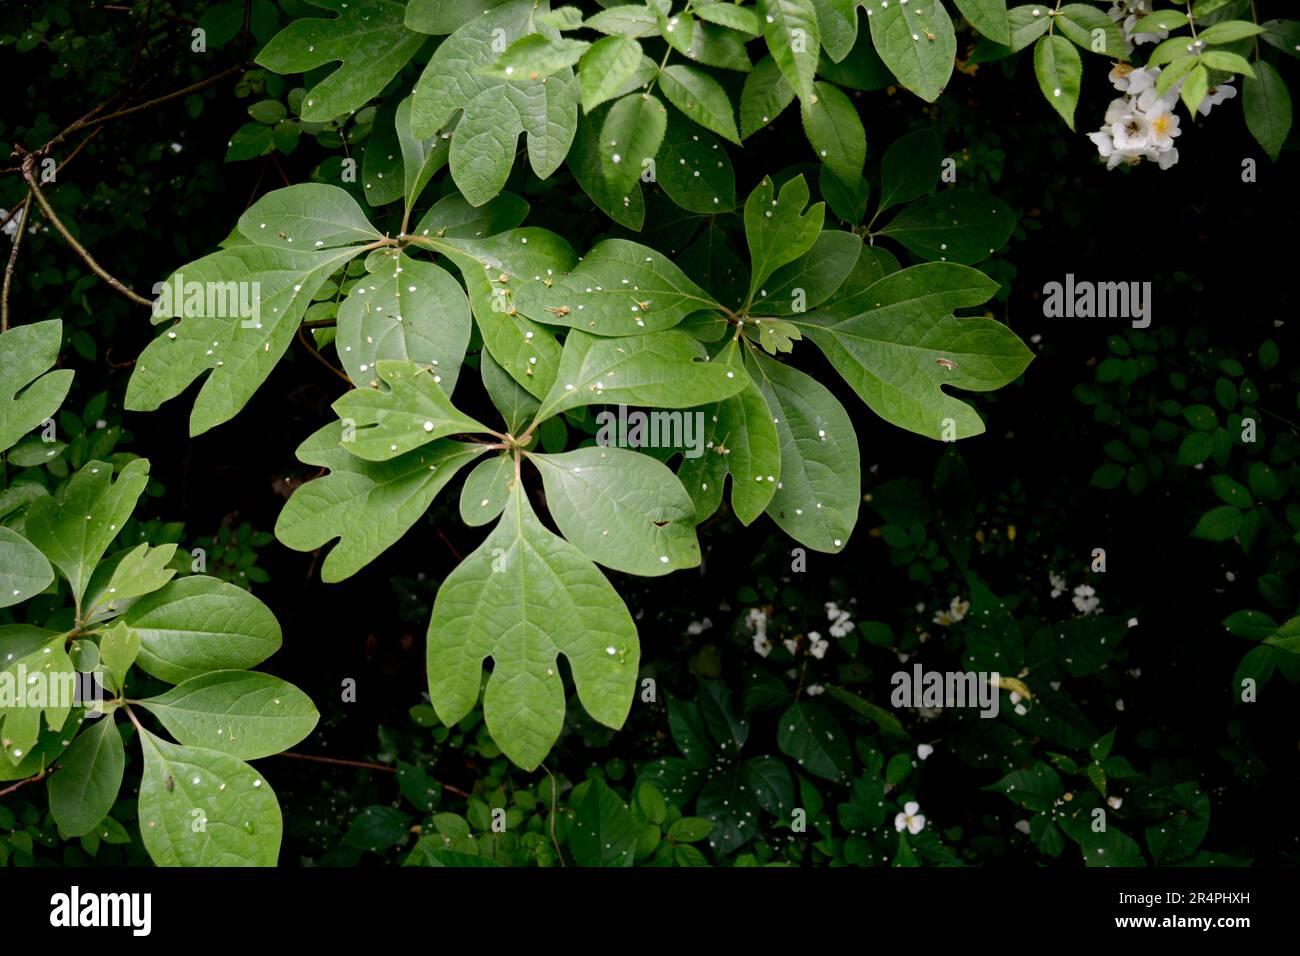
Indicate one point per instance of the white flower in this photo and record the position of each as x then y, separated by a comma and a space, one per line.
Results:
1133, 80
1167, 158
1058, 582
698, 627
1132, 622
840, 623
1020, 710
818, 647
1131, 132
956, 611
1086, 600
1163, 126
756, 621
812, 690
1023, 826
762, 646
1114, 802
1216, 95
11, 227
924, 750
791, 645
910, 820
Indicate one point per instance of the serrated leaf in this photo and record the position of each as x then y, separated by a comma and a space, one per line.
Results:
1195, 86
1227, 61
765, 94
89, 778
744, 19
242, 713
740, 439
1027, 24
1059, 69
1267, 106
534, 56
664, 370
779, 230
522, 598
28, 397
1218, 524
917, 43
955, 225
199, 624
240, 817
496, 111
989, 17
1081, 24
629, 139
791, 31
837, 22
701, 98
24, 571
817, 496
367, 505
628, 20
406, 310
368, 36
606, 67
623, 510
412, 411
835, 131
74, 528
704, 43
890, 353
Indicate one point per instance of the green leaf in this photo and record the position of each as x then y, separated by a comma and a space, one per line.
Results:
452, 217
516, 405
606, 67
276, 284
441, 17
810, 734
32, 651
200, 624
1168, 20
119, 646
989, 17
704, 43
1218, 524
421, 156
622, 509
241, 713
835, 131
1037, 788
817, 497
368, 36
486, 489
629, 139
740, 438
1081, 23
306, 216
1230, 491
628, 20
910, 168
75, 527
204, 808
811, 279
411, 412
89, 778
1195, 86
1283, 34
496, 111
528, 351
1059, 69
779, 230
1252, 625
27, 397
407, 310
619, 288
604, 830
878, 715
694, 170
562, 18
1027, 24
1267, 106
791, 31
652, 803
955, 225
701, 98
765, 94
662, 370
585, 162
837, 21
367, 505
847, 200
1230, 62
522, 598
917, 43
744, 19
893, 354
126, 576
689, 829
24, 571
534, 56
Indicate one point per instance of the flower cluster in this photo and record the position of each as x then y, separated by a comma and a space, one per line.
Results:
1141, 124
1127, 13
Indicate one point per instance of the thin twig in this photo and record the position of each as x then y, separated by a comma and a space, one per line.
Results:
77, 247
302, 337
362, 765
9, 268
27, 781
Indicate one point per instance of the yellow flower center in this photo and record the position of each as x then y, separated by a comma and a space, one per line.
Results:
1163, 123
